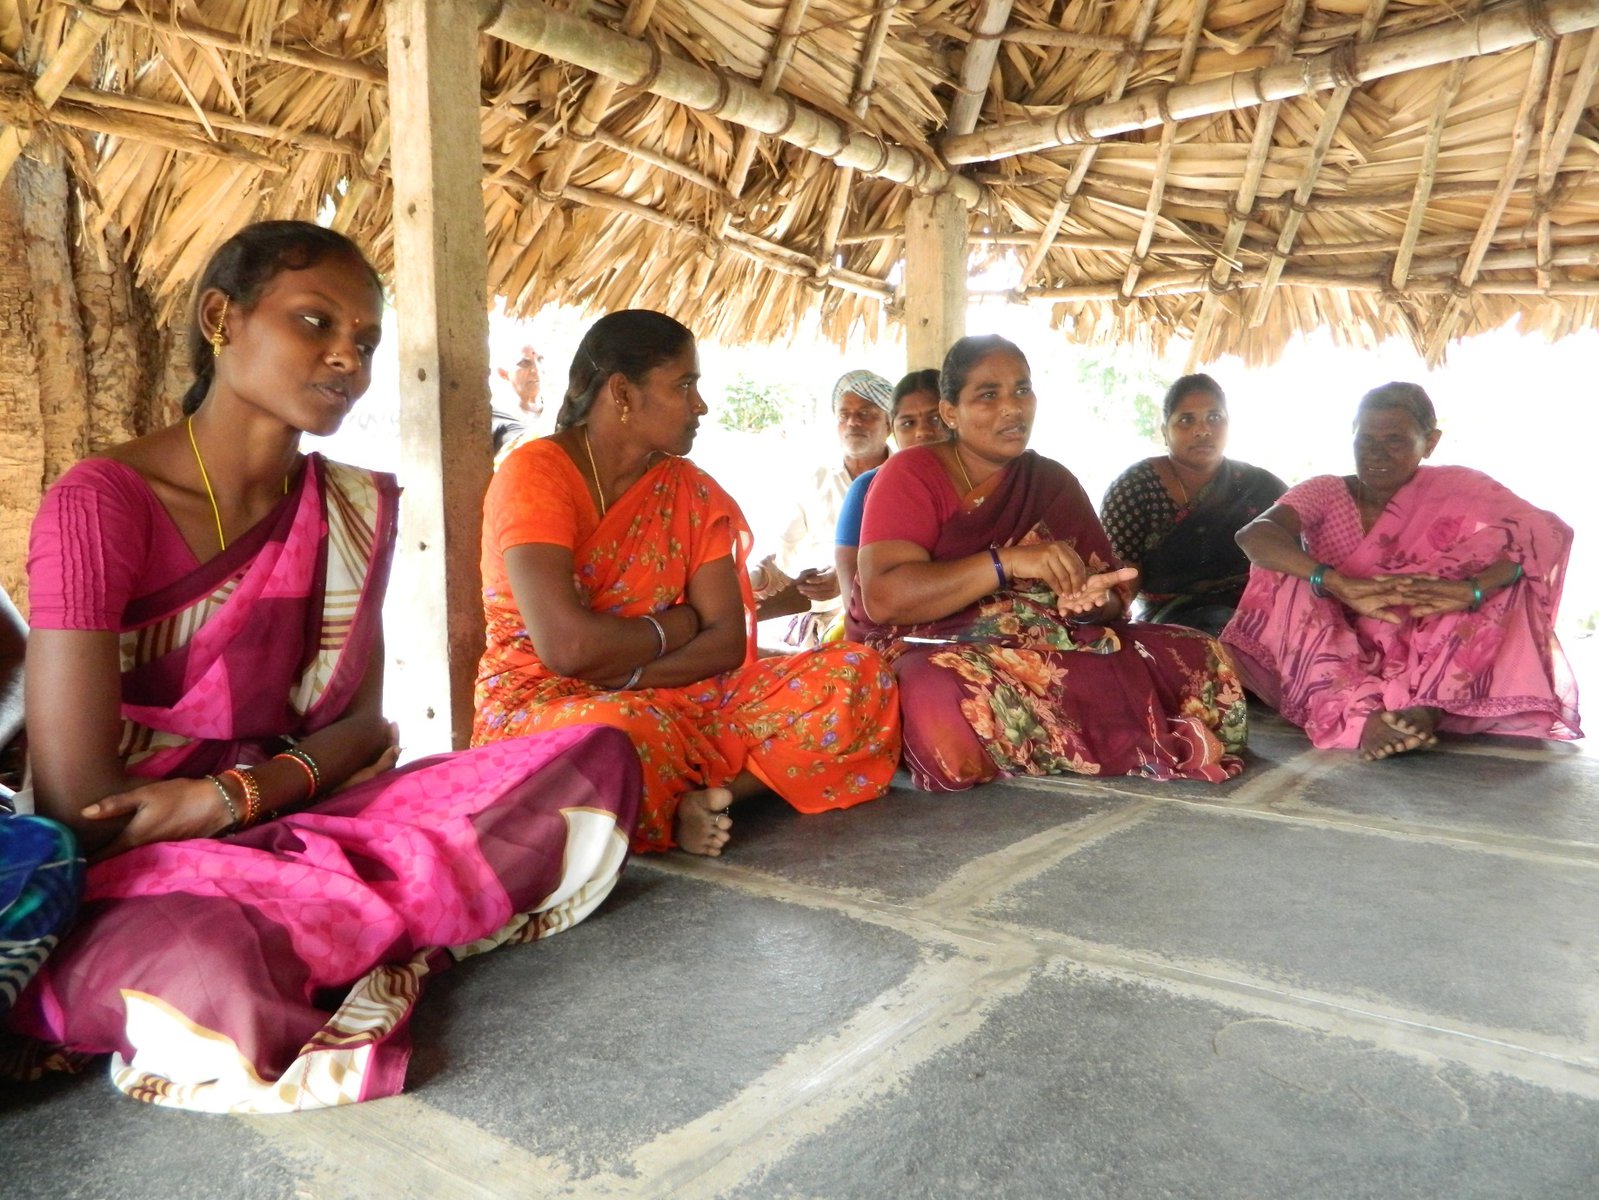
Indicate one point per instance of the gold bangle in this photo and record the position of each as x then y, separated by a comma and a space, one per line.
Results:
252, 794
227, 802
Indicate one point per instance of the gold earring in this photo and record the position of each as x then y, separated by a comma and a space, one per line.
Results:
216, 336
622, 412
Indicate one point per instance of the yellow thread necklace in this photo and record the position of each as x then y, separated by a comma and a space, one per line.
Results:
216, 513
599, 490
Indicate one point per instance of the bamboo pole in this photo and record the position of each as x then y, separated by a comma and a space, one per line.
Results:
1085, 160
1248, 185
1520, 146
1168, 132
1429, 171
1503, 27
977, 65
149, 130
1560, 140
771, 76
596, 103
57, 73
534, 26
1190, 283
205, 35
1330, 118
774, 255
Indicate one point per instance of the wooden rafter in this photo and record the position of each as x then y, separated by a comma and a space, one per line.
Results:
977, 64
534, 26
1520, 145
1085, 160
92, 23
1146, 226
1331, 116
1503, 27
1293, 16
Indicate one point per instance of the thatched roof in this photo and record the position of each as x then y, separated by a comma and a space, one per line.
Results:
1235, 172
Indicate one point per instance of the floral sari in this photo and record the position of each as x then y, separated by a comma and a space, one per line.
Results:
1497, 670
820, 728
277, 969
1005, 685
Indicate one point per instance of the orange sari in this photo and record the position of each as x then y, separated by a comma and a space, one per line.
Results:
821, 729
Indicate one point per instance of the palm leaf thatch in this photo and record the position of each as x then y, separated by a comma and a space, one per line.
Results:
1232, 172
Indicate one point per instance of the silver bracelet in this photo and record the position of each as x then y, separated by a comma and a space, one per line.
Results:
660, 635
632, 680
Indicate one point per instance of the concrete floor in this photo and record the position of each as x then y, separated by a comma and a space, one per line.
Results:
1323, 979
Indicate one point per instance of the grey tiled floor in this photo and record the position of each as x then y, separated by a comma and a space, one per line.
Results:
1324, 979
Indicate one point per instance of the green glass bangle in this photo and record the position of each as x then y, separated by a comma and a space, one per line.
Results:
1476, 594
227, 801
1317, 587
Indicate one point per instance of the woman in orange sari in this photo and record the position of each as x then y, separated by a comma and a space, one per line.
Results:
615, 593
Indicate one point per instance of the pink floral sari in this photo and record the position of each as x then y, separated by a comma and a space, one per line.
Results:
277, 969
1497, 670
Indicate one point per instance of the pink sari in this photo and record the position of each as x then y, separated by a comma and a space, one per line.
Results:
1497, 670
277, 969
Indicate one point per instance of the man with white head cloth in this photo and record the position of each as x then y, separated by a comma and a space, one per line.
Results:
861, 401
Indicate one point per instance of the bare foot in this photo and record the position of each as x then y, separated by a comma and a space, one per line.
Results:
702, 825
1398, 732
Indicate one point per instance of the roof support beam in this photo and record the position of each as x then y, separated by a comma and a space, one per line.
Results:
440, 263
935, 279
533, 26
47, 88
1503, 27
977, 65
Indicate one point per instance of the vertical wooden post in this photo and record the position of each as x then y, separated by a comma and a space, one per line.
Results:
440, 267
935, 278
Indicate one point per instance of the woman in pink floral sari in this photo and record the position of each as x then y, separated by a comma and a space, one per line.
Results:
988, 582
1388, 604
204, 677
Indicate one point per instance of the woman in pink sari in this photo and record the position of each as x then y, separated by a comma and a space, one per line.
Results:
204, 678
989, 584
1386, 605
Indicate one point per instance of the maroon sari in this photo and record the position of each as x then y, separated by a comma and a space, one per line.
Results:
1008, 686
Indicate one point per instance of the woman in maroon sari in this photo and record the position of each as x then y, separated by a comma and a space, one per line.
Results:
204, 683
987, 581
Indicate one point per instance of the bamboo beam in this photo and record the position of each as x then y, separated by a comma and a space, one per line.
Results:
1190, 283
1520, 146
205, 35
1085, 160
1146, 226
1331, 116
150, 130
1554, 150
1429, 171
1503, 27
534, 26
1248, 185
596, 103
80, 41
977, 65
768, 253
771, 76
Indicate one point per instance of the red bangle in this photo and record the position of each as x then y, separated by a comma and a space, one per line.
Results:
252, 796
313, 775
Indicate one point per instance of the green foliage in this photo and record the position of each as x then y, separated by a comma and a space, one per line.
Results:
752, 406
1114, 390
